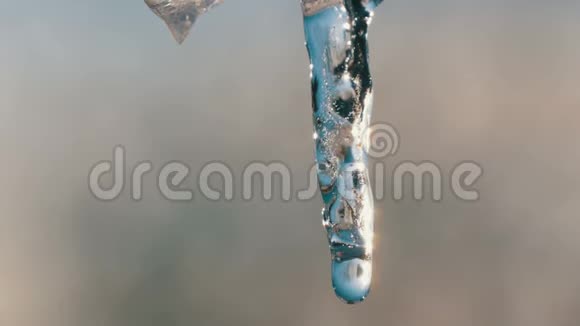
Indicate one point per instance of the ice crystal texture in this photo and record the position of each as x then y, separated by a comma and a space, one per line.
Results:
336, 39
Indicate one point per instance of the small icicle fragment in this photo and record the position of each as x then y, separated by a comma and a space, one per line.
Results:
180, 15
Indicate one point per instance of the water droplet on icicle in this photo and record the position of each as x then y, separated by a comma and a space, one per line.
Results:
180, 15
351, 279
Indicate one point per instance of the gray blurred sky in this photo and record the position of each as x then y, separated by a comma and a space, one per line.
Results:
491, 81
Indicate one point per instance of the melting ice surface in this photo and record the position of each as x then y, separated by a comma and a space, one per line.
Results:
336, 39
180, 15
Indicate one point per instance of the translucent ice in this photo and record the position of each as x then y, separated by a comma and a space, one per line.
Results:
336, 39
180, 15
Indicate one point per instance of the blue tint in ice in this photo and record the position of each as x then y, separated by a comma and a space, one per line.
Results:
336, 39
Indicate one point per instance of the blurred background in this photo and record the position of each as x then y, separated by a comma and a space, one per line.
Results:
490, 81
